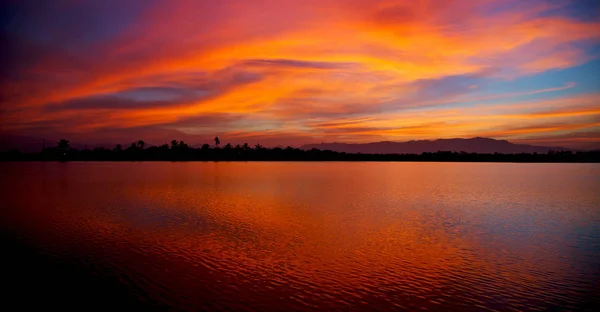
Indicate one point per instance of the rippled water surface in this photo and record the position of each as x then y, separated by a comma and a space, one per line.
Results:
304, 236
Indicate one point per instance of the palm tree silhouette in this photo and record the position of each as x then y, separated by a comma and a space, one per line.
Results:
173, 143
217, 141
246, 146
63, 145
141, 144
257, 146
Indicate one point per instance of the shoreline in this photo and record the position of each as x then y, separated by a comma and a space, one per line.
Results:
301, 161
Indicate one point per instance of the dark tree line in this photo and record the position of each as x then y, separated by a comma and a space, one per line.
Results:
181, 151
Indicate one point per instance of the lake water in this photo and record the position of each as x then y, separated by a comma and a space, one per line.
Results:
303, 236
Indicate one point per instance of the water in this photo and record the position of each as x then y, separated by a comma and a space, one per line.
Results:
306, 236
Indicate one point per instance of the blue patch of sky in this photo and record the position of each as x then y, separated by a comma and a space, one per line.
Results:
582, 10
584, 76
69, 25
503, 91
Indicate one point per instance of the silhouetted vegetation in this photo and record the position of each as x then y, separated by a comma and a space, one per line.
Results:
181, 151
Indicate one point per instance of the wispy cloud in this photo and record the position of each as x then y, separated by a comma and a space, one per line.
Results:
296, 71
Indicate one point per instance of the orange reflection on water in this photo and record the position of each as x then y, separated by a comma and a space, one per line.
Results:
319, 235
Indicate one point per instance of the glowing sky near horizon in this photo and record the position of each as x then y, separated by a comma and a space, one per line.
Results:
290, 72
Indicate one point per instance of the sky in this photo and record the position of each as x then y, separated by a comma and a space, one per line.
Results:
292, 72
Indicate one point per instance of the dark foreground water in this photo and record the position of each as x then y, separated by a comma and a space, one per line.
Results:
301, 236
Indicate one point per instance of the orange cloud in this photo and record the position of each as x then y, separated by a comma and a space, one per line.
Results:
314, 69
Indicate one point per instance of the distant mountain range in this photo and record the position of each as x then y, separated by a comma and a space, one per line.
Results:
474, 145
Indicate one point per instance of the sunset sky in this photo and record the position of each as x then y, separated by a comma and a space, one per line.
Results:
290, 72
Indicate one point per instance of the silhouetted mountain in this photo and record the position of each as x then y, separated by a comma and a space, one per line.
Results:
474, 145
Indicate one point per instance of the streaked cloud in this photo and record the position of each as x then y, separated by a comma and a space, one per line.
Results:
293, 72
